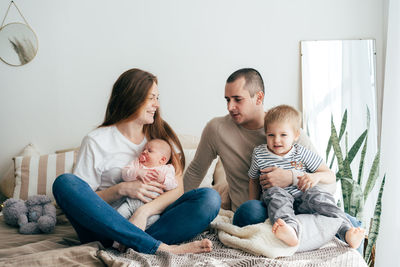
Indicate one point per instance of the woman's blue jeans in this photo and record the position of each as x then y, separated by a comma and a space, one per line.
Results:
95, 220
255, 211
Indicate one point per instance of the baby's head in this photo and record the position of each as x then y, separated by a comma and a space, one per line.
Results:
282, 128
155, 153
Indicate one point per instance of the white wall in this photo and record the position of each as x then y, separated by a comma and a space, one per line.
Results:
192, 46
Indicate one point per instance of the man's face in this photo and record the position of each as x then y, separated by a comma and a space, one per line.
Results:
241, 106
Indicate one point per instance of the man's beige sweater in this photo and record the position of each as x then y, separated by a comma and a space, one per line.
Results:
234, 145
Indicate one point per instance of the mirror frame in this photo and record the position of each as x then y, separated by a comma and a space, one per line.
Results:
35, 44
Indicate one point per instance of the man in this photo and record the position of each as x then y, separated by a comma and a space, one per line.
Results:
233, 138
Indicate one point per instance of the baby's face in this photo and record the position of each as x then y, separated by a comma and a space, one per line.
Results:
152, 155
281, 137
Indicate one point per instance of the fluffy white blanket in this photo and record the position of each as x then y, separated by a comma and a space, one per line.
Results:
256, 239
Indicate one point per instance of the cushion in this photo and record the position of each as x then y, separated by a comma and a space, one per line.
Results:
189, 141
316, 230
7, 183
36, 174
258, 239
68, 150
208, 178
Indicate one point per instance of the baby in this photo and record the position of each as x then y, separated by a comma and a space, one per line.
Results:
282, 130
150, 166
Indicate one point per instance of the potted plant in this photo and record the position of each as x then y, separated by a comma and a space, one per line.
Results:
354, 195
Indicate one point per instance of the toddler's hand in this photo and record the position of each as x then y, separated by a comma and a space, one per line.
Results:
307, 181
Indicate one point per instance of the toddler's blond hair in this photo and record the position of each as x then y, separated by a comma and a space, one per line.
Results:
283, 113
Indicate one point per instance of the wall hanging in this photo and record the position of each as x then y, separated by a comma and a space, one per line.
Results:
18, 42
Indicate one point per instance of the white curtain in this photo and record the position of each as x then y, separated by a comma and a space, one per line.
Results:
388, 244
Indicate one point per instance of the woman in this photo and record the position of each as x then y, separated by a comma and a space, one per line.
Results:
90, 195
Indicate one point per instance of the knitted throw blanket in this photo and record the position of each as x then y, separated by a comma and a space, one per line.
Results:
335, 253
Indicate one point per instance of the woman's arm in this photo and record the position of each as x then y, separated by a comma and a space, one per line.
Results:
134, 189
159, 204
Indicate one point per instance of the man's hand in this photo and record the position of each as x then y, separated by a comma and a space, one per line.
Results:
274, 176
307, 181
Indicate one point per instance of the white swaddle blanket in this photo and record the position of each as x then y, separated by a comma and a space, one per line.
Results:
258, 239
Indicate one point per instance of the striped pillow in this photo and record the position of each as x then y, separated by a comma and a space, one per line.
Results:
35, 175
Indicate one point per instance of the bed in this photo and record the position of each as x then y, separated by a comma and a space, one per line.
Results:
62, 247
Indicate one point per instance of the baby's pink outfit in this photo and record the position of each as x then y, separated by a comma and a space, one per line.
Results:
166, 177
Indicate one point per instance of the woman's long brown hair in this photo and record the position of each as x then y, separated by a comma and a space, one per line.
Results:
129, 94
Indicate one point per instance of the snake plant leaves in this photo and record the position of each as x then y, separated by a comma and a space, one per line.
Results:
347, 189
352, 153
353, 196
343, 125
336, 147
362, 159
356, 146
374, 228
331, 165
346, 169
373, 175
342, 130
364, 150
357, 201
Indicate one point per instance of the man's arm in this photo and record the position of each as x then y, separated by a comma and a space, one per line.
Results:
254, 189
205, 154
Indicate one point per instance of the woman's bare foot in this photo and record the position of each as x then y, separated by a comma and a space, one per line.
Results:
201, 246
354, 237
285, 232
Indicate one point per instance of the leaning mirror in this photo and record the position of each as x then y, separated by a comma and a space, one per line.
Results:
339, 76
18, 44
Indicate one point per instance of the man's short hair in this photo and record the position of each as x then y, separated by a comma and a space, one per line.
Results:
283, 113
254, 81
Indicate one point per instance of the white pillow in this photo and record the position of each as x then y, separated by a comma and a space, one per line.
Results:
208, 178
316, 230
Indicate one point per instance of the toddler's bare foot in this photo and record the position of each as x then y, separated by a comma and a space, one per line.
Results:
201, 246
354, 237
285, 232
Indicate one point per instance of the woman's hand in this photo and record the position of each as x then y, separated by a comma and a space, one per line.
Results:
147, 175
137, 189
